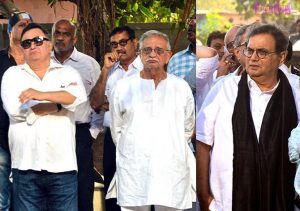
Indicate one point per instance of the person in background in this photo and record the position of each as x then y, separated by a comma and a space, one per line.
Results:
121, 62
64, 38
215, 40
206, 64
10, 56
296, 36
228, 62
183, 63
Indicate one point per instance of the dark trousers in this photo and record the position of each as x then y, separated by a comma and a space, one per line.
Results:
85, 164
5, 184
109, 169
42, 190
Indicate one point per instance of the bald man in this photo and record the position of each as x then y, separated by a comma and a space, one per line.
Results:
64, 39
229, 62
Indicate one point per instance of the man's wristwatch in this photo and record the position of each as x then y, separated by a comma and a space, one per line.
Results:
59, 107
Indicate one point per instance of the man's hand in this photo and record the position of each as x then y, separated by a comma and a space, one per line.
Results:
203, 186
226, 65
205, 204
97, 96
31, 94
110, 59
45, 109
105, 107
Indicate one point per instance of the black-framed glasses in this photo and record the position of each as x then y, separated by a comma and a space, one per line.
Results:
260, 53
122, 43
157, 50
38, 41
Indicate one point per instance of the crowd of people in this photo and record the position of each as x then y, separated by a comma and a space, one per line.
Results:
211, 127
55, 100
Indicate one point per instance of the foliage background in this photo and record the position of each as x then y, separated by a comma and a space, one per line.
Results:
214, 21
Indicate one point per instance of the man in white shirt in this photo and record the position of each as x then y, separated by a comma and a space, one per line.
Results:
64, 38
40, 98
120, 63
152, 121
243, 129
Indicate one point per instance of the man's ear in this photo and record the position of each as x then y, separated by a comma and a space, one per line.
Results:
282, 57
75, 40
136, 43
169, 55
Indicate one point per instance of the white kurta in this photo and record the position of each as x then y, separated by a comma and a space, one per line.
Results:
151, 128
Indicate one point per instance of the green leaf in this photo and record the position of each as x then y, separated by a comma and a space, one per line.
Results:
117, 22
145, 11
135, 7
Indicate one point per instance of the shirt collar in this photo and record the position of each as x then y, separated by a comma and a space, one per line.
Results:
53, 65
74, 56
188, 50
136, 64
253, 86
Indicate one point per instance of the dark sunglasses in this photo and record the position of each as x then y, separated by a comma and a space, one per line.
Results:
38, 41
122, 43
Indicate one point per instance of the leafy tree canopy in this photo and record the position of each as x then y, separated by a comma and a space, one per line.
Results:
213, 22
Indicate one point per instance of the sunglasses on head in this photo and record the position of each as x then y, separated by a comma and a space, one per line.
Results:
38, 41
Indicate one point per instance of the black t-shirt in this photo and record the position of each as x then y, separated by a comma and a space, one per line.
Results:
5, 62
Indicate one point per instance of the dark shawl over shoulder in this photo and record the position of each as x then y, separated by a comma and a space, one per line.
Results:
262, 174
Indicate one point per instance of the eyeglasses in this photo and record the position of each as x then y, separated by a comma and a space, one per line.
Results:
260, 53
230, 46
157, 50
122, 43
38, 41
243, 44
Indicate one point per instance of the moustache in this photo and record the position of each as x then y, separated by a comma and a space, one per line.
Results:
151, 60
59, 43
121, 52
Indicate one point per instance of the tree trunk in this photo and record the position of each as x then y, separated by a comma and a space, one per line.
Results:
187, 11
95, 19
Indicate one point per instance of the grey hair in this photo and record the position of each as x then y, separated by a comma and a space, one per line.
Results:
65, 20
153, 33
239, 34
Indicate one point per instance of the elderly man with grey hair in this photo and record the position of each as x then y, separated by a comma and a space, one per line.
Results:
152, 123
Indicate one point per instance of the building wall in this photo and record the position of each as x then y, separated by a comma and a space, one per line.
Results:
43, 13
